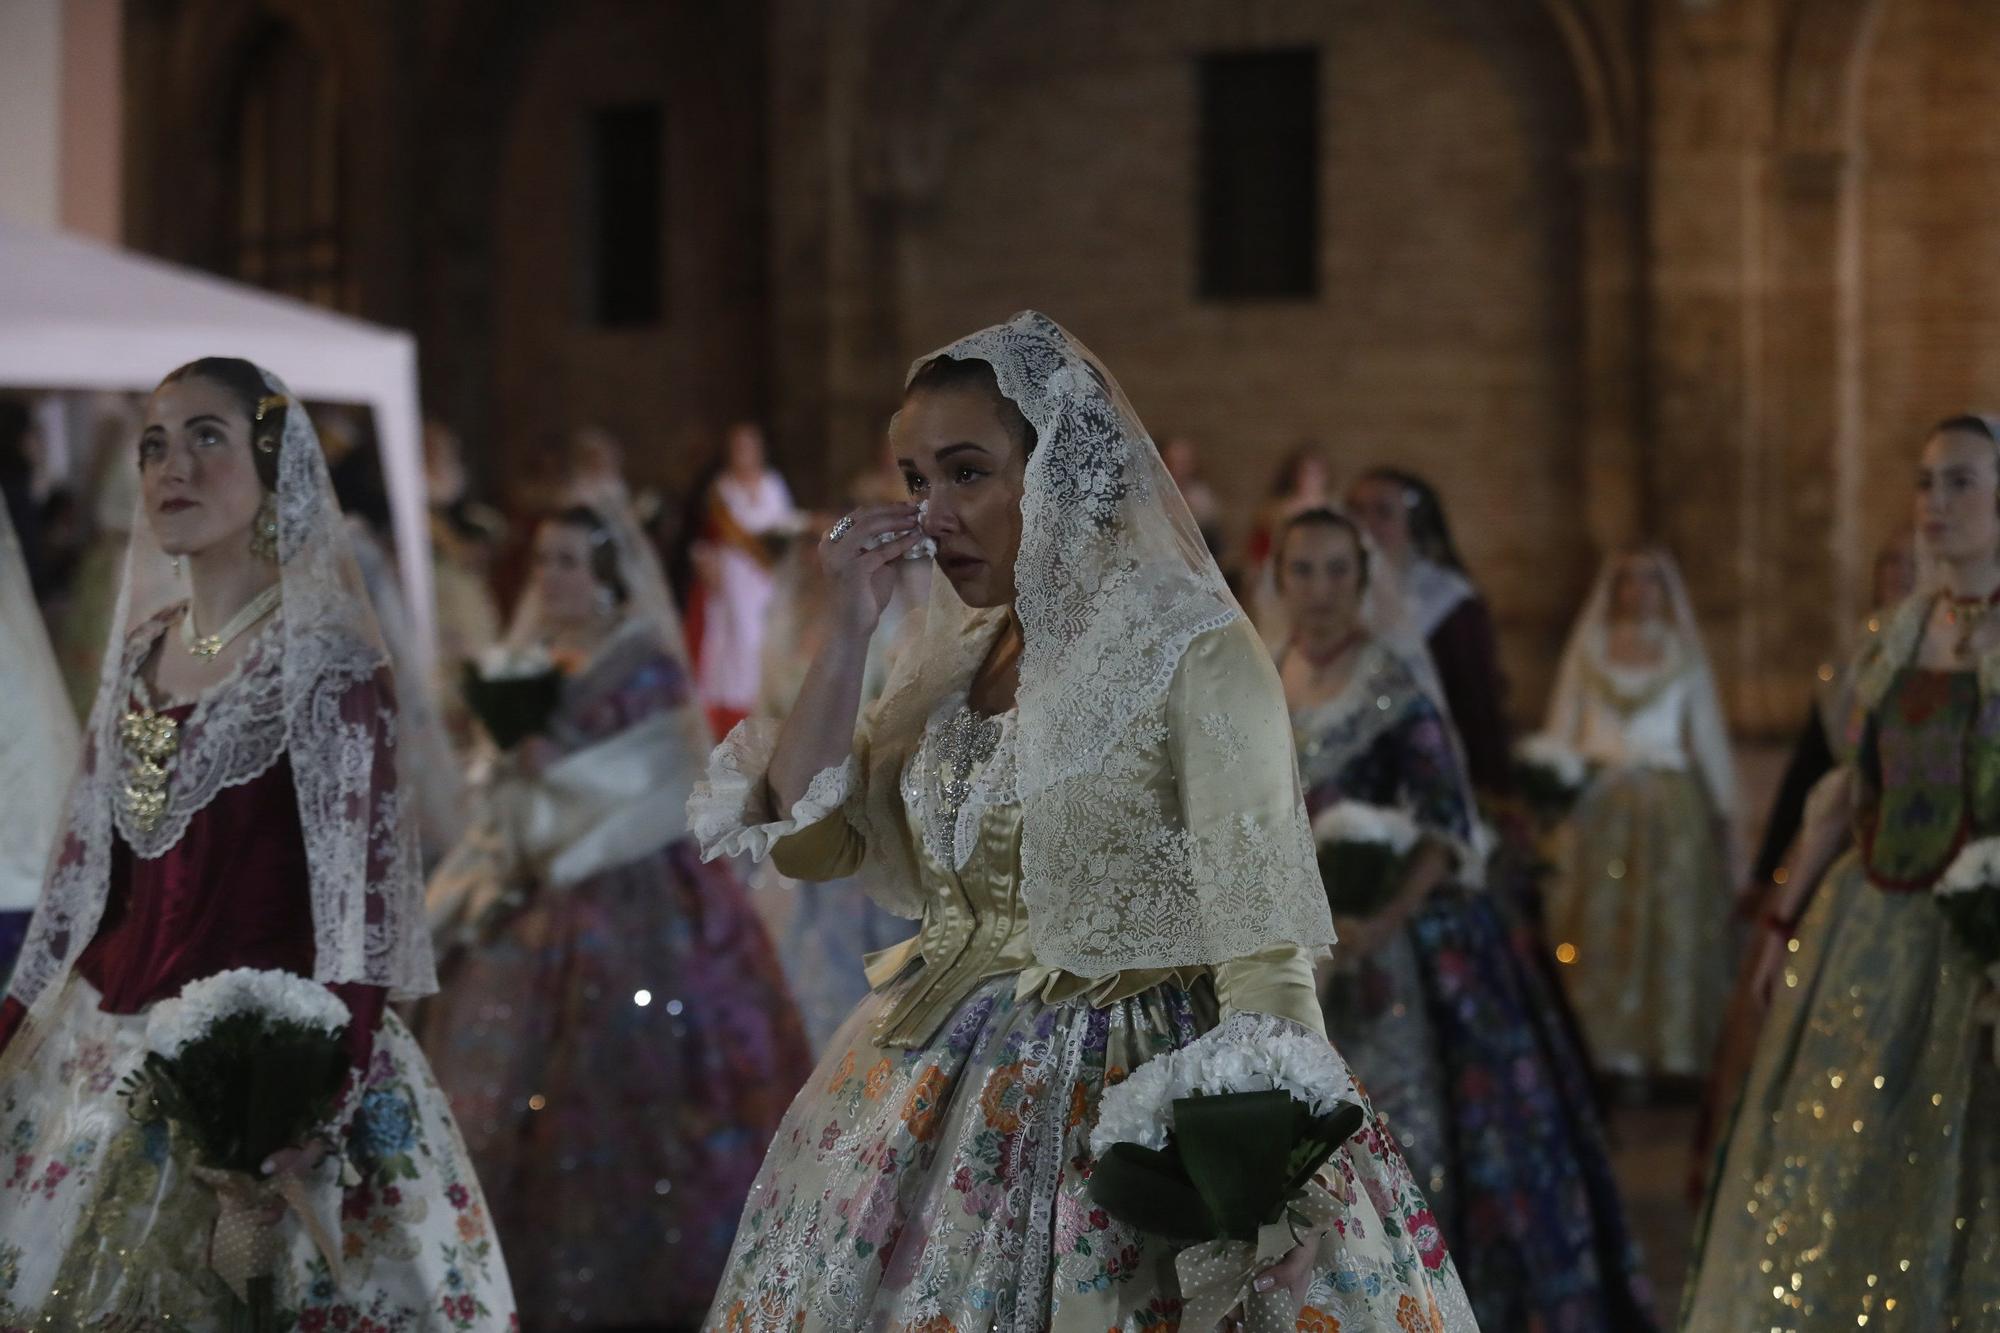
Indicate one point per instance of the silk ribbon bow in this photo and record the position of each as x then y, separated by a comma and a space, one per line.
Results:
1218, 1275
249, 1239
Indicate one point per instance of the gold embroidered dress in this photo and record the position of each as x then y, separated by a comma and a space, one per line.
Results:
1860, 1183
1639, 911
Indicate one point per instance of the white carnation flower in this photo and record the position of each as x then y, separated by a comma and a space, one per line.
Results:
1248, 1053
1353, 821
1976, 867
502, 662
281, 997
1547, 752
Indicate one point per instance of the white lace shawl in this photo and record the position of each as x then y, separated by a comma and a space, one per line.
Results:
1114, 584
315, 686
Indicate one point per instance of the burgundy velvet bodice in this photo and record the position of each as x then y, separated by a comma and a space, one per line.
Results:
233, 892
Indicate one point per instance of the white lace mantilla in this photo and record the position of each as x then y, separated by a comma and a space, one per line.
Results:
234, 735
314, 686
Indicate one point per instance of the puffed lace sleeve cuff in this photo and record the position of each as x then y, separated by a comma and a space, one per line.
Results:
730, 810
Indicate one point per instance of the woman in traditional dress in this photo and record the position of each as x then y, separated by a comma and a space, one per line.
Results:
37, 739
747, 508
1405, 517
1462, 1048
1080, 779
1823, 743
1640, 907
1443, 608
613, 1029
1859, 1185
237, 806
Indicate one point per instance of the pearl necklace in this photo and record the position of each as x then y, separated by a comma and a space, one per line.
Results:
209, 646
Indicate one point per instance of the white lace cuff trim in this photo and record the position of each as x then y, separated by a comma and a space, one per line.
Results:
1247, 1053
730, 812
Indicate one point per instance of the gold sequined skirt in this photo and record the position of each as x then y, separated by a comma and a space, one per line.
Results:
1860, 1184
1640, 920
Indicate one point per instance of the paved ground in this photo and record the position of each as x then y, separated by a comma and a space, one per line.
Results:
1650, 1152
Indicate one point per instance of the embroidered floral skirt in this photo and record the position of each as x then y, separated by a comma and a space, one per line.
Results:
1467, 1061
1643, 903
101, 1225
1859, 1185
618, 1056
944, 1189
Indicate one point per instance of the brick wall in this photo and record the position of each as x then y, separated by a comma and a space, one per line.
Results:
1443, 337
1932, 247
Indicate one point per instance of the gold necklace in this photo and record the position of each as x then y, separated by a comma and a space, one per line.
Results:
1967, 614
208, 646
151, 738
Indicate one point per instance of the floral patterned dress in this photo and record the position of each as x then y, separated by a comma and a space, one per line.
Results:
1859, 1185
619, 1051
101, 1224
934, 1174
1463, 1049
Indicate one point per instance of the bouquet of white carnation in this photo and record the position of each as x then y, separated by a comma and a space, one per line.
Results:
513, 693
1218, 1145
243, 1064
1363, 851
1969, 897
1550, 776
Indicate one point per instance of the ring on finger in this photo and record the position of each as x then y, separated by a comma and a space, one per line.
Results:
841, 529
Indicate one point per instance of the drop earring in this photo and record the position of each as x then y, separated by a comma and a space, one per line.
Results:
264, 532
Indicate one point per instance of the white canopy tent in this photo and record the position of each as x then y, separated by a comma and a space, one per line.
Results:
75, 314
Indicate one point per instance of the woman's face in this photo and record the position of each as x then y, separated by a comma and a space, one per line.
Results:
1958, 497
1321, 578
196, 473
745, 449
1638, 593
1378, 506
563, 577
960, 460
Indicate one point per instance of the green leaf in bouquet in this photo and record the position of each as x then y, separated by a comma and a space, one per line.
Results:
512, 708
247, 1087
1316, 1138
1360, 877
1236, 1147
1149, 1189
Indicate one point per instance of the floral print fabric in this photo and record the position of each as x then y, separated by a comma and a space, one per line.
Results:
618, 1053
102, 1226
946, 1189
1465, 1054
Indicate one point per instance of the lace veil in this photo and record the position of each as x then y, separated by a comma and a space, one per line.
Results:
313, 686
649, 600
1114, 582
1583, 657
37, 731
